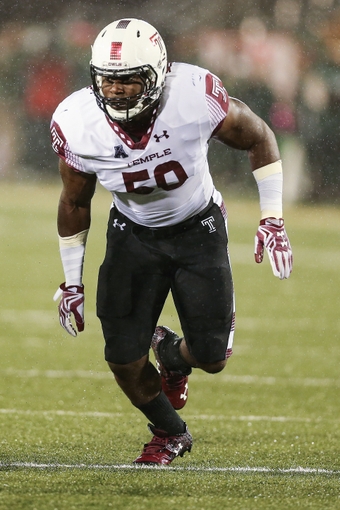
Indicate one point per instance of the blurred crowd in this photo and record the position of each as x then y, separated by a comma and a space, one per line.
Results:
41, 65
290, 78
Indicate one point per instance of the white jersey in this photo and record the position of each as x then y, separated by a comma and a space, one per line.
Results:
164, 178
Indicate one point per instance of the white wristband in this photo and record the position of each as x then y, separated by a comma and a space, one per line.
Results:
269, 182
72, 253
75, 240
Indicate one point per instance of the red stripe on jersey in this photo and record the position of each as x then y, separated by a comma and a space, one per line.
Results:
57, 139
61, 147
217, 99
216, 90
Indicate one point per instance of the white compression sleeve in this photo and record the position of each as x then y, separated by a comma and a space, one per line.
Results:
269, 181
72, 253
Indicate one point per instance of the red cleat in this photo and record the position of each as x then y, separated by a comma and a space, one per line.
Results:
174, 385
163, 449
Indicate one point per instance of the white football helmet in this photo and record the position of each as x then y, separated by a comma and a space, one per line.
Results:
125, 48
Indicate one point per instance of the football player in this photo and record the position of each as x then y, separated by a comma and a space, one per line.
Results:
142, 130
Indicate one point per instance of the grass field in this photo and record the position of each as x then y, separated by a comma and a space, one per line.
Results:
266, 430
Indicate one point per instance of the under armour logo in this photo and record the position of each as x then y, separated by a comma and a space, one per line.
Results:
116, 224
165, 134
175, 448
119, 152
184, 395
210, 222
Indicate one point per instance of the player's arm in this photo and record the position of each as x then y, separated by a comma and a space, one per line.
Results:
74, 219
74, 210
242, 129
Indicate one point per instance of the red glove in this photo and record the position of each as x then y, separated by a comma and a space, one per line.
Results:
72, 301
271, 235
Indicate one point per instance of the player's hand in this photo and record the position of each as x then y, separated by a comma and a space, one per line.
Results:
71, 302
271, 235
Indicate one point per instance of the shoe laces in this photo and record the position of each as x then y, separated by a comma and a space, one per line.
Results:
156, 445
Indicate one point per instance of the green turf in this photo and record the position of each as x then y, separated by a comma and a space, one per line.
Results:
266, 430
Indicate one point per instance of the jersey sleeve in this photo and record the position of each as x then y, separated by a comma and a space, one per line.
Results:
217, 100
62, 149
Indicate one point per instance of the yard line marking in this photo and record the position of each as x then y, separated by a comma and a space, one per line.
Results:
46, 319
237, 379
241, 253
61, 412
246, 469
203, 417
58, 374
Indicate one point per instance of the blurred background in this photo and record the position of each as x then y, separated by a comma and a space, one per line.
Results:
281, 57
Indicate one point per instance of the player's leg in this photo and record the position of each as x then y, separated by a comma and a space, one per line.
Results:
174, 382
132, 288
207, 344
171, 437
204, 298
